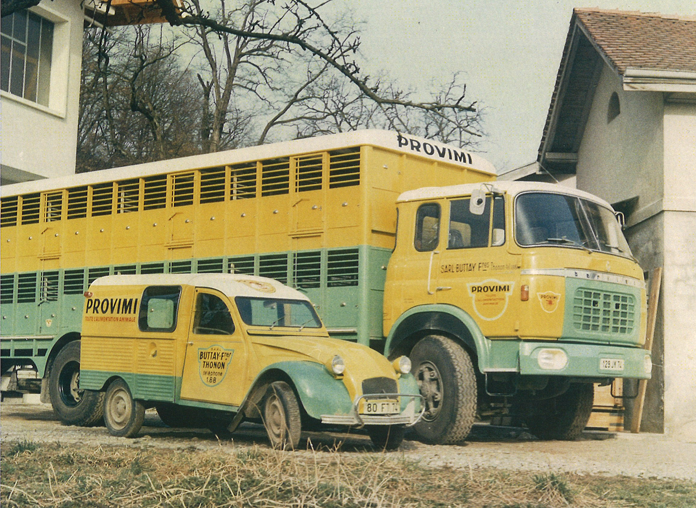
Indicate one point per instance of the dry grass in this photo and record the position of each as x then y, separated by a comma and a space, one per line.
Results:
40, 475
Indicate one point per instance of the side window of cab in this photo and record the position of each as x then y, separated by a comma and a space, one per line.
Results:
159, 309
427, 234
212, 316
469, 230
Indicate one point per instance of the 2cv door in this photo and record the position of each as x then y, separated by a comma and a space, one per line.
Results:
215, 367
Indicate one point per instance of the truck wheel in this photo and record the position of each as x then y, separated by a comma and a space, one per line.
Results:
563, 417
447, 382
281, 416
70, 404
123, 416
386, 437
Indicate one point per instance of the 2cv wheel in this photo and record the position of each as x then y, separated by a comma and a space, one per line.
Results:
281, 416
123, 416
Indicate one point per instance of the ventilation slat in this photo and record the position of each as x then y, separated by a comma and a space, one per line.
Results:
343, 268
212, 185
8, 211
77, 202
344, 168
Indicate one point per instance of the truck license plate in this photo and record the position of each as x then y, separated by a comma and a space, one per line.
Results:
611, 364
380, 407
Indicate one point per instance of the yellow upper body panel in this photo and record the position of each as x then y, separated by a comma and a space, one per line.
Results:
218, 333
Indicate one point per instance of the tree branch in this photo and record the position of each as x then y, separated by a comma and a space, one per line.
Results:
341, 49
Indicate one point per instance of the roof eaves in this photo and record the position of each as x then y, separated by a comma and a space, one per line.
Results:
659, 80
607, 59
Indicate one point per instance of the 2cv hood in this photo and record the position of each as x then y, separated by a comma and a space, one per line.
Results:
361, 362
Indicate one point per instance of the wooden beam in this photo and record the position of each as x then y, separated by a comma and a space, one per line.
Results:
654, 297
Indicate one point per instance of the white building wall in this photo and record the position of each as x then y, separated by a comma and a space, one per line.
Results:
680, 270
41, 140
622, 158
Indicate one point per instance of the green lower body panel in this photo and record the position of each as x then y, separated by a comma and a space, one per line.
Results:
143, 386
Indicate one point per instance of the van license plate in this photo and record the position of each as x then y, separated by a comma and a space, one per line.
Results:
380, 407
611, 364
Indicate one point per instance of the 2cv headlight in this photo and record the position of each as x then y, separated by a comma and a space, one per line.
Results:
338, 366
402, 365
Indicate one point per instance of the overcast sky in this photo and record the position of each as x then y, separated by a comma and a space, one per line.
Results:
508, 52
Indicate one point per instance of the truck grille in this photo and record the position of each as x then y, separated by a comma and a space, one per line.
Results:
603, 311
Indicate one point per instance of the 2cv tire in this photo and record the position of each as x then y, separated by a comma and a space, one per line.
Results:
71, 405
281, 416
123, 416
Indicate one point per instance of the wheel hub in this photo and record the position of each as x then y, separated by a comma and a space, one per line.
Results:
119, 409
430, 385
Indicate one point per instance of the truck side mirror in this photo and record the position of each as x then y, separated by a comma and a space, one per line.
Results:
477, 203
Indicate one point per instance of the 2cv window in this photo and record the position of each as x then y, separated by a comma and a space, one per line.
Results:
159, 308
212, 316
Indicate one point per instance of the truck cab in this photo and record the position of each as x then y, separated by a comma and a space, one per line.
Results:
530, 288
214, 350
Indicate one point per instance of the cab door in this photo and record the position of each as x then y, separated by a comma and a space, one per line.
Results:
215, 366
477, 273
425, 262
415, 262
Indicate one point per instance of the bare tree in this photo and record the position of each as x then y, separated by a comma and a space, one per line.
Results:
255, 71
137, 103
303, 72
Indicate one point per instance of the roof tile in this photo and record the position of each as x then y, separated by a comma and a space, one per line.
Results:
642, 40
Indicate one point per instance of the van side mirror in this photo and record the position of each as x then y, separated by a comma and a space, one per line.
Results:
477, 203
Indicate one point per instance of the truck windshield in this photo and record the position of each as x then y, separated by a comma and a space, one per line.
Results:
273, 312
567, 221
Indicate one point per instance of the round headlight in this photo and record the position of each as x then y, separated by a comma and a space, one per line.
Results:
338, 366
552, 359
402, 365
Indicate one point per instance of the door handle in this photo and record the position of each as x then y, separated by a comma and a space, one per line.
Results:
430, 270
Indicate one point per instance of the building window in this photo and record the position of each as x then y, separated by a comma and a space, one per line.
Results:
614, 107
27, 44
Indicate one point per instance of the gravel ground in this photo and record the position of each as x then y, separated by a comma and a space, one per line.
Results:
596, 453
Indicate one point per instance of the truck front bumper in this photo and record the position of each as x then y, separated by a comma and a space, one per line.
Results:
583, 360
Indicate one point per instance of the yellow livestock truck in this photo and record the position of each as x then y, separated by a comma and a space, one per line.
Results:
214, 350
504, 295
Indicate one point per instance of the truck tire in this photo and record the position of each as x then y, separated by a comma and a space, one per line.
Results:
563, 417
281, 416
123, 416
386, 437
71, 405
447, 382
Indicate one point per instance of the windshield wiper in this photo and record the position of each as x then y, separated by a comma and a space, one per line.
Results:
305, 323
281, 318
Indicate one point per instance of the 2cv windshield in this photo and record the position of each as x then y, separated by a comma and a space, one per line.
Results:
274, 312
543, 219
